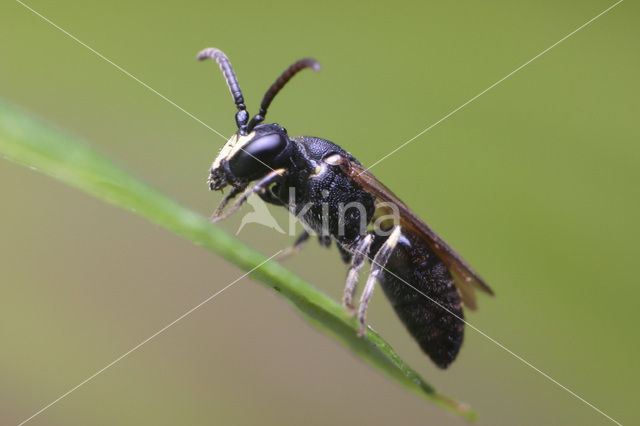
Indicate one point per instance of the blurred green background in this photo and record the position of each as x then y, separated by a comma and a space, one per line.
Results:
535, 183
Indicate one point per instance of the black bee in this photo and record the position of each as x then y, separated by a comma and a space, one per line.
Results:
335, 197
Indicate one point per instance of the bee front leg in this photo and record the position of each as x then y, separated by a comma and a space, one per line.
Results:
231, 195
377, 266
257, 188
361, 252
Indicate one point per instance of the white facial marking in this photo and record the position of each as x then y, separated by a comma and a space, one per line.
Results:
231, 148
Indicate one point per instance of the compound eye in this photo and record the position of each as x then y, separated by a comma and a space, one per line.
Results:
259, 156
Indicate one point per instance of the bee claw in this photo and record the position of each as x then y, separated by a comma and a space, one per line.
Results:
363, 330
348, 305
351, 310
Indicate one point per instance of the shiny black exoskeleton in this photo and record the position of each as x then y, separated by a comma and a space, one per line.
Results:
336, 198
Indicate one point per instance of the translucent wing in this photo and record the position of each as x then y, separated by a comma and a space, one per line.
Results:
466, 279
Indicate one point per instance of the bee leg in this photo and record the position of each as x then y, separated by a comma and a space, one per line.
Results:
296, 247
377, 266
345, 254
324, 241
361, 252
257, 188
234, 191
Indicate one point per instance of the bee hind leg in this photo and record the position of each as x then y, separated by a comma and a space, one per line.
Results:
360, 254
377, 267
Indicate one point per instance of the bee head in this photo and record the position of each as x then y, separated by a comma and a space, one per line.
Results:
256, 148
245, 158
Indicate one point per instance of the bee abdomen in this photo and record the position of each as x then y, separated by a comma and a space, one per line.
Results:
424, 296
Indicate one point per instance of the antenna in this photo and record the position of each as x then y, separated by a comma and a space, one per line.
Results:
242, 116
278, 85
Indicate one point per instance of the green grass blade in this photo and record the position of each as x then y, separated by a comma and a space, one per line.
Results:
29, 142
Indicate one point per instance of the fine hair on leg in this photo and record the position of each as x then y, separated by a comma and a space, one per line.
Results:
360, 254
377, 266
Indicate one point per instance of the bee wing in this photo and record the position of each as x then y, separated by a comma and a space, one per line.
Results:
466, 279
